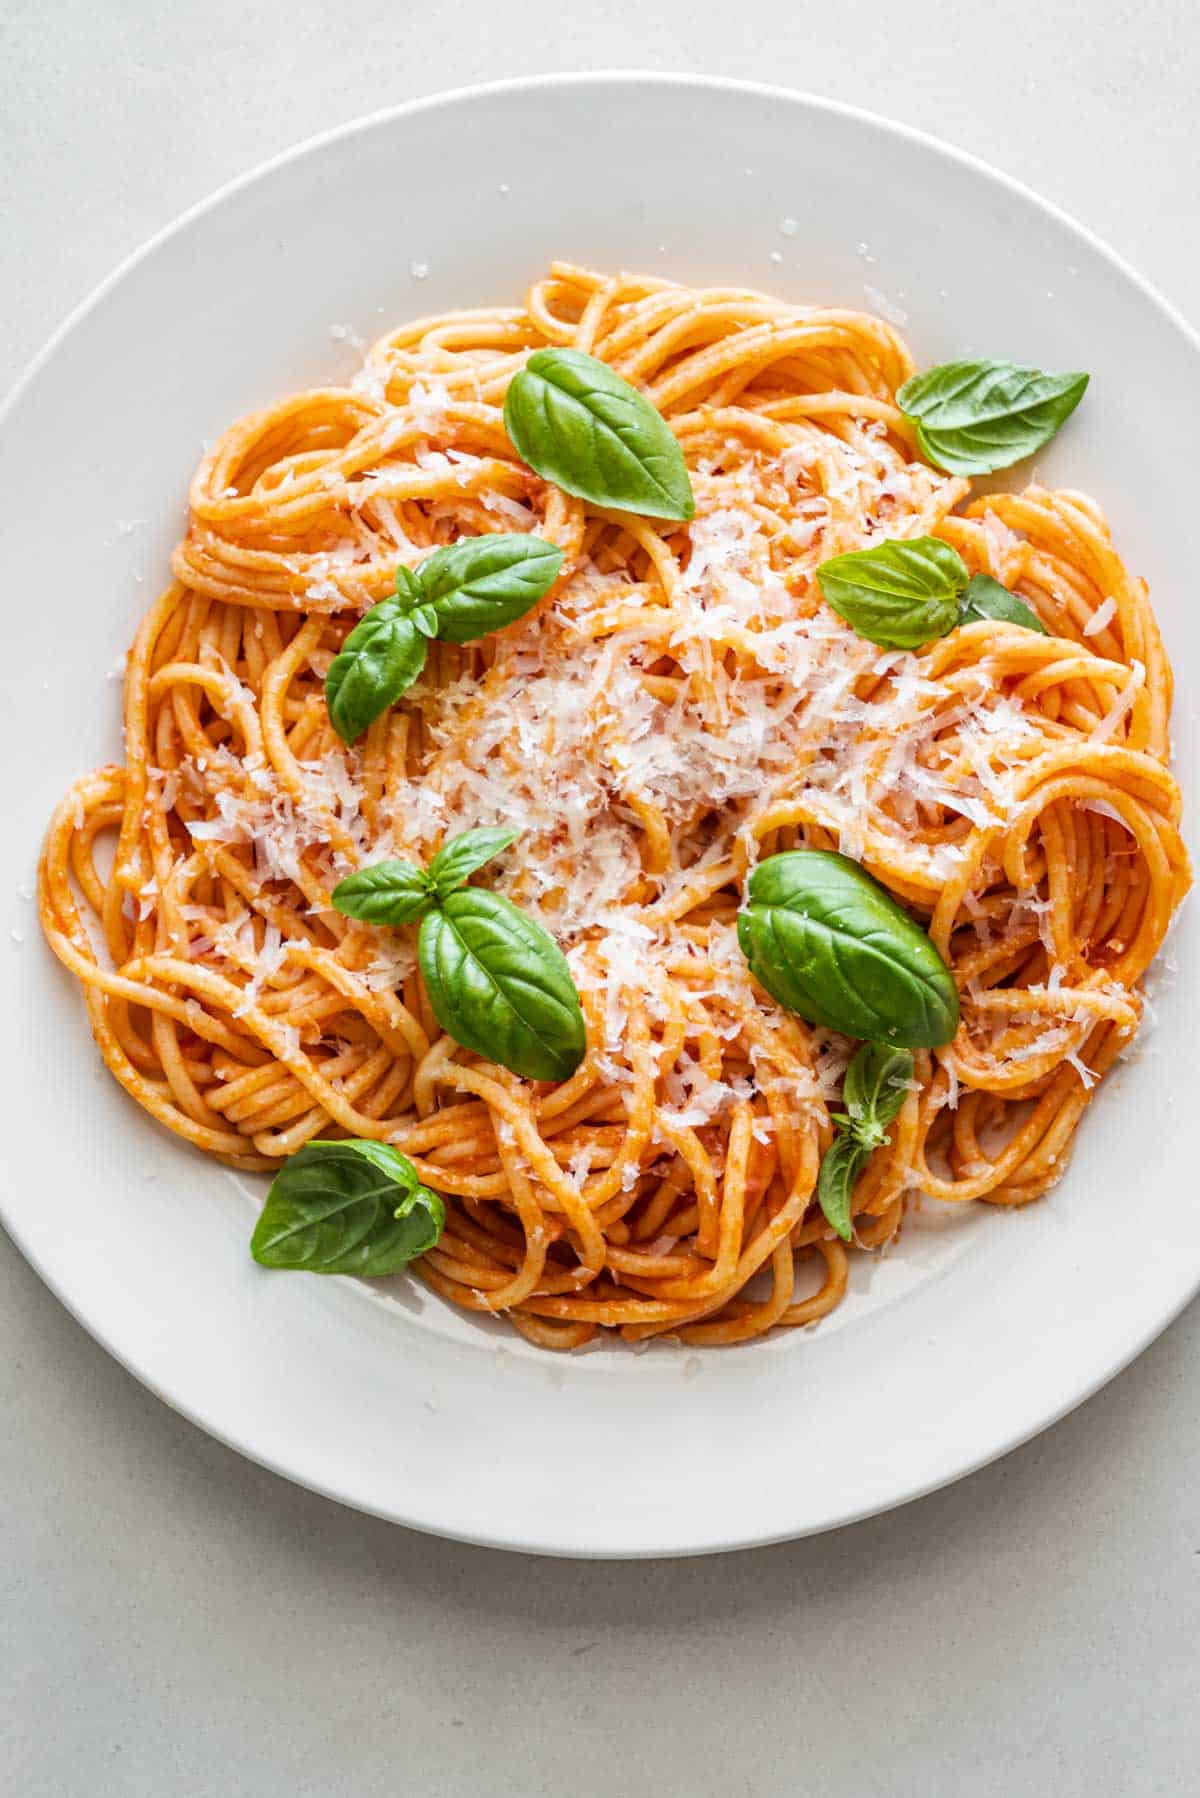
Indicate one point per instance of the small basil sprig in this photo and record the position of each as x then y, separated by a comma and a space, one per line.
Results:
456, 595
974, 417
829, 943
578, 424
498, 983
873, 1091
350, 1207
907, 591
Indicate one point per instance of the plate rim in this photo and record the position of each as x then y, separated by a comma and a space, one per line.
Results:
526, 85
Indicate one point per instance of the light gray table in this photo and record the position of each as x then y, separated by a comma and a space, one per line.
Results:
177, 1622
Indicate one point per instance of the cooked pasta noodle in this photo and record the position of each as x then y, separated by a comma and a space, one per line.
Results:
681, 704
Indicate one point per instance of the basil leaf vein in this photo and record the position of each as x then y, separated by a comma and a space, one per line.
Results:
829, 943
975, 417
579, 424
354, 1207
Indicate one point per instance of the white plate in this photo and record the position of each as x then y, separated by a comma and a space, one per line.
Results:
982, 1327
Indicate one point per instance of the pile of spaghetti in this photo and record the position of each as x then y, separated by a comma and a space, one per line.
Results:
681, 704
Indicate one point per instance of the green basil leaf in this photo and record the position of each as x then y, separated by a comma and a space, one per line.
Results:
347, 1208
500, 985
426, 621
483, 583
408, 588
829, 943
382, 656
841, 1165
973, 417
584, 428
876, 1086
900, 594
385, 893
452, 865
986, 598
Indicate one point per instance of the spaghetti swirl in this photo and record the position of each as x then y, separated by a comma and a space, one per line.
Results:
681, 704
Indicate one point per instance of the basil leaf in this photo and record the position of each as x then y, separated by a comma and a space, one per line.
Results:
382, 656
830, 944
461, 856
425, 620
973, 417
408, 588
483, 583
385, 893
346, 1208
986, 598
584, 428
900, 594
841, 1165
456, 594
875, 1088
500, 985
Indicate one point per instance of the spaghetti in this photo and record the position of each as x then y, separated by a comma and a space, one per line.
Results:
680, 705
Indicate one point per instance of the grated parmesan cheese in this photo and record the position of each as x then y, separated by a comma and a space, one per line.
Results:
1121, 706
1101, 617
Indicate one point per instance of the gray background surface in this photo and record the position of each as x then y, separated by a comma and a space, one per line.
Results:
176, 1621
